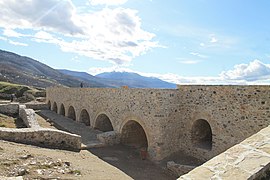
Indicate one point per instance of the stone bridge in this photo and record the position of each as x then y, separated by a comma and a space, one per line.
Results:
201, 121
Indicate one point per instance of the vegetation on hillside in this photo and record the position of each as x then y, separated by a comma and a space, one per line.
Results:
22, 92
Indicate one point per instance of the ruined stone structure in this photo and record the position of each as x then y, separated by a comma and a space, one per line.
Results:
202, 121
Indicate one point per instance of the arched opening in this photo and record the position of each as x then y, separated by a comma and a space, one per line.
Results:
49, 105
62, 110
201, 134
54, 107
134, 135
71, 113
84, 117
103, 123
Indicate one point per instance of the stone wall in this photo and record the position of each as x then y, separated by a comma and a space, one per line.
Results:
28, 116
248, 160
10, 109
42, 137
171, 119
35, 134
36, 105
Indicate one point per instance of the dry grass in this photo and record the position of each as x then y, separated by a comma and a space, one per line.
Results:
10, 122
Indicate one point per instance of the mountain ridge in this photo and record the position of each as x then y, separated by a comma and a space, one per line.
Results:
23, 70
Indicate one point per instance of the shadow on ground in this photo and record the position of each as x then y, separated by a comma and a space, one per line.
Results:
128, 160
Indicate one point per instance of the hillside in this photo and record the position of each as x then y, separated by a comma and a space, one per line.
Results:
26, 71
23, 70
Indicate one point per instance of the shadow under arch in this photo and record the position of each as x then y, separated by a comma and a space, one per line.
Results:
201, 134
84, 117
62, 110
71, 113
103, 123
54, 107
134, 135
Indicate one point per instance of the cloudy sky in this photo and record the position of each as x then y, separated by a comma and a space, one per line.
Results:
181, 41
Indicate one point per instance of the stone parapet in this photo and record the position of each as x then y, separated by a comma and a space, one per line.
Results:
42, 137
248, 160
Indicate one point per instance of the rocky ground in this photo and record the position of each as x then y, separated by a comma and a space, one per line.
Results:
40, 163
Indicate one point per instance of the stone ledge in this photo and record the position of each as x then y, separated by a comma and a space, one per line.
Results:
248, 160
42, 137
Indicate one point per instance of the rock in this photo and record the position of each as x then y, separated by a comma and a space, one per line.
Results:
67, 163
22, 172
109, 138
25, 156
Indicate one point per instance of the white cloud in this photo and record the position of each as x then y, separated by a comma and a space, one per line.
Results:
108, 2
213, 39
12, 33
17, 43
113, 35
46, 14
189, 61
255, 70
3, 38
198, 55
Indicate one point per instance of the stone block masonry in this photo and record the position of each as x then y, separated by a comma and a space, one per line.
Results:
248, 160
202, 121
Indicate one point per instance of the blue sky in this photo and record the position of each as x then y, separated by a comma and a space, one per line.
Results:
181, 41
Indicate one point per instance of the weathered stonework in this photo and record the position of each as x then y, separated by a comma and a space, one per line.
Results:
42, 137
28, 116
10, 108
35, 134
172, 119
248, 160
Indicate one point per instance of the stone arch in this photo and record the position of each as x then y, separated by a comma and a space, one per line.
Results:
84, 117
133, 134
49, 105
201, 134
103, 123
62, 110
71, 113
54, 107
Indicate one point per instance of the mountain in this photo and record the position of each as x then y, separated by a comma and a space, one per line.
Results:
83, 76
134, 80
24, 70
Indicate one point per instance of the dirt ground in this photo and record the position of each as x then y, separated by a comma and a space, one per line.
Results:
107, 163
41, 163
